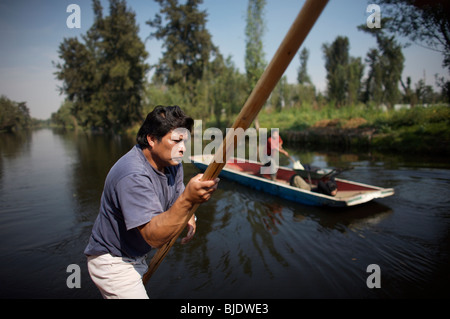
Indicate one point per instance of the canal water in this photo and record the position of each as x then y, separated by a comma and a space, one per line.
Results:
248, 244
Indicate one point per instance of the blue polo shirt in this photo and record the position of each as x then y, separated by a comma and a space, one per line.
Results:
133, 194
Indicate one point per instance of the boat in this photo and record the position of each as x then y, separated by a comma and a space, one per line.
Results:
247, 172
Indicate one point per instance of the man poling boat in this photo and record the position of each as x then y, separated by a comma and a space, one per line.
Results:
144, 201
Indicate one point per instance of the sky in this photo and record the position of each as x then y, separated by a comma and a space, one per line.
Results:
31, 31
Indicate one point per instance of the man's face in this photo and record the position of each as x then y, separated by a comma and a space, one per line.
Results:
169, 151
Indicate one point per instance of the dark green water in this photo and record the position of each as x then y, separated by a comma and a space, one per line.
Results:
248, 244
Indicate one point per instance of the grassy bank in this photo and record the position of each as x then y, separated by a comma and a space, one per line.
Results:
420, 129
307, 116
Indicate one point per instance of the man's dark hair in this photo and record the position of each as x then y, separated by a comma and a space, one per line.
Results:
161, 121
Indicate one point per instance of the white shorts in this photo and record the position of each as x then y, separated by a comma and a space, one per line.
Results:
118, 277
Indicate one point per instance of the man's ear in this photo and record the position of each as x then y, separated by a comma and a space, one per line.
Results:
151, 141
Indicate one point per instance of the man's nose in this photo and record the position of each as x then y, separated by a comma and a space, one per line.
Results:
182, 147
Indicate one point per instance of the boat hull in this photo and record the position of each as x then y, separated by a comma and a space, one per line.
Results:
359, 193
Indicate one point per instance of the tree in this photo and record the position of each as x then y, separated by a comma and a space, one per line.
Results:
280, 94
228, 92
104, 76
386, 67
336, 62
302, 76
13, 115
64, 117
344, 72
78, 73
425, 93
254, 53
425, 22
187, 43
355, 72
445, 88
123, 66
306, 92
373, 84
409, 95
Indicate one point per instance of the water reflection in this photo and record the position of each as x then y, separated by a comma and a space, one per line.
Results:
11, 146
94, 155
349, 218
274, 217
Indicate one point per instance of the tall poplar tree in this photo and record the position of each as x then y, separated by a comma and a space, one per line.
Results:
254, 52
306, 91
302, 76
344, 72
254, 49
336, 63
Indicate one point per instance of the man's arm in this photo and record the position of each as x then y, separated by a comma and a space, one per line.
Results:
282, 150
280, 147
164, 226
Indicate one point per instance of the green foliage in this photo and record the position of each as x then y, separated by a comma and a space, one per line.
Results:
420, 129
228, 90
220, 95
254, 52
64, 116
104, 76
344, 72
386, 67
302, 76
13, 115
187, 43
418, 117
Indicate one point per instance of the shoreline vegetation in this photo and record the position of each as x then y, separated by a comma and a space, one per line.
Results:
422, 129
401, 128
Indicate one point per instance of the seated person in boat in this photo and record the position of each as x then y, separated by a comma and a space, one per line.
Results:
328, 187
273, 148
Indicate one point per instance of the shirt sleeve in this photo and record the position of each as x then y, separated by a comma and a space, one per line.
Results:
138, 200
180, 182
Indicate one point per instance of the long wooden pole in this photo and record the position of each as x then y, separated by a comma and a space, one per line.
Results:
294, 38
